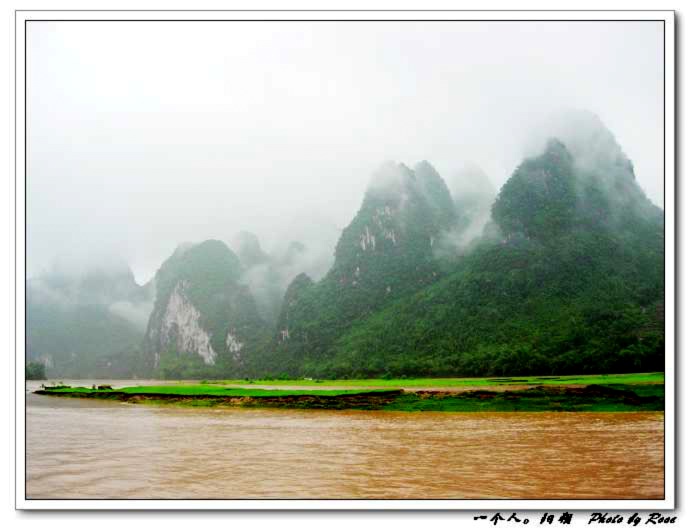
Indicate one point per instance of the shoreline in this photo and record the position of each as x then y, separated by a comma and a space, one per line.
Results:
552, 398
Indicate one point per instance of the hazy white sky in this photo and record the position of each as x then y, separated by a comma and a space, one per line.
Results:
142, 135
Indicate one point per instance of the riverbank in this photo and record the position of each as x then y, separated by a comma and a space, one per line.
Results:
437, 383
614, 397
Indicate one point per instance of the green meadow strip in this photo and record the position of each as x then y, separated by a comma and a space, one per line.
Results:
631, 379
591, 398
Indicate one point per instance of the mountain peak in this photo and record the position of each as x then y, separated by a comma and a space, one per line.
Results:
470, 184
591, 143
390, 181
424, 166
540, 197
203, 314
247, 247
435, 191
581, 180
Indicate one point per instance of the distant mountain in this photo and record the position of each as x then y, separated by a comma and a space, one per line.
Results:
294, 252
573, 285
248, 249
473, 195
260, 274
88, 321
384, 253
204, 320
93, 284
561, 271
608, 193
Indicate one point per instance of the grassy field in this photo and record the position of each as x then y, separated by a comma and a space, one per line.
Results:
203, 390
618, 394
621, 398
629, 379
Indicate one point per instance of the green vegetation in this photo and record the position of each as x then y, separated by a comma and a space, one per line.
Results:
572, 285
432, 383
384, 254
615, 396
73, 322
199, 390
209, 271
35, 371
206, 276
540, 399
83, 340
566, 280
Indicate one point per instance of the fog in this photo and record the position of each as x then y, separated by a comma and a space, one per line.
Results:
145, 135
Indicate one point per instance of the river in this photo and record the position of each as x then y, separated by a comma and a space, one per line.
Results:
86, 449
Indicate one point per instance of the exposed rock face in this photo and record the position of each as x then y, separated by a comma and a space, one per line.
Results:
180, 326
402, 214
570, 283
234, 345
385, 252
202, 309
292, 305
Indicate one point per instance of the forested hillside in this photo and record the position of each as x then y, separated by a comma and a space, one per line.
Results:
561, 271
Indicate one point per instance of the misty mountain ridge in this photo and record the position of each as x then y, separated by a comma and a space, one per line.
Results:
473, 195
385, 252
87, 320
203, 316
605, 173
565, 288
560, 271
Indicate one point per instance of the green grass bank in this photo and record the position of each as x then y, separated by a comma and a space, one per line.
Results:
430, 383
616, 396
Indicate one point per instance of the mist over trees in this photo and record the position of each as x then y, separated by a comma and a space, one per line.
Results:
138, 144
86, 318
559, 271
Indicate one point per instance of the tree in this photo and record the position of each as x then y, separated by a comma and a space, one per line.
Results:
35, 371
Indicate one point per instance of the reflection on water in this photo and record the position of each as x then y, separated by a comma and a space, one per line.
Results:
92, 449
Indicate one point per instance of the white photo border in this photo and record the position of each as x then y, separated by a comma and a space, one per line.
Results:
18, 218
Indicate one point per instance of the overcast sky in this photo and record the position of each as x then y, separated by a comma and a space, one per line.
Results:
144, 135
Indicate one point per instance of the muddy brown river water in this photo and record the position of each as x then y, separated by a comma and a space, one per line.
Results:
85, 449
